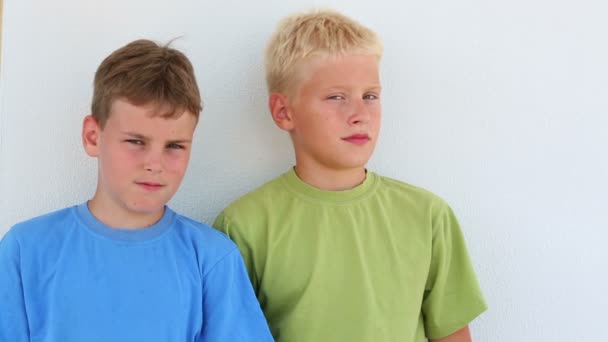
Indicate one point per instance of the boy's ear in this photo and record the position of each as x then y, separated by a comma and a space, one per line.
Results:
278, 104
90, 135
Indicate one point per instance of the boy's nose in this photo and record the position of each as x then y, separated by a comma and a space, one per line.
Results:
153, 169
153, 162
359, 113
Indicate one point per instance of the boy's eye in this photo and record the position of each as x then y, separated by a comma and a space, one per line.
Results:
336, 97
135, 141
175, 146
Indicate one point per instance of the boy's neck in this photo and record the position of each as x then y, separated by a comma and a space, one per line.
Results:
331, 180
117, 217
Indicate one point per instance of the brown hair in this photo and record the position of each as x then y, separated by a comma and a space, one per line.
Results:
144, 72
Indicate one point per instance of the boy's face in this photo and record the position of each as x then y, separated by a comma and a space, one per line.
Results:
334, 113
141, 158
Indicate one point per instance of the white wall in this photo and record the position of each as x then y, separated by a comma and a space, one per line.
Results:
500, 107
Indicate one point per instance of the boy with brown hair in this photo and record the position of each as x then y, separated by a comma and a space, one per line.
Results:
336, 252
123, 266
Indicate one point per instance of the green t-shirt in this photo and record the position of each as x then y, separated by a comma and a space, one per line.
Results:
385, 261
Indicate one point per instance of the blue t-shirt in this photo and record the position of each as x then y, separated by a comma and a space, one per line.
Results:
67, 277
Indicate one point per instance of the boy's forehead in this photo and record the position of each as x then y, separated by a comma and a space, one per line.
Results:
126, 113
328, 67
152, 109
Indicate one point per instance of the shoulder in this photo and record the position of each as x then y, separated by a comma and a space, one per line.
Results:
416, 204
39, 235
409, 194
421, 204
208, 241
214, 250
42, 226
259, 199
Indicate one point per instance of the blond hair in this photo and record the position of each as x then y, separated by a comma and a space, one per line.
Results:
143, 72
300, 37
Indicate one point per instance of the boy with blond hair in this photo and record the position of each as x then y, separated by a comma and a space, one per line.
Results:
334, 251
123, 266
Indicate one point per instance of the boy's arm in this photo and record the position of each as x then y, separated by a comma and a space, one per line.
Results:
231, 311
462, 335
452, 297
224, 224
13, 318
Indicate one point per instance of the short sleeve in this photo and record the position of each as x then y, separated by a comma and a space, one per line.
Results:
224, 224
13, 318
231, 311
453, 297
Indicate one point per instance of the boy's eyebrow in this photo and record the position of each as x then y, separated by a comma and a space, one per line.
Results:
370, 87
136, 135
143, 137
180, 141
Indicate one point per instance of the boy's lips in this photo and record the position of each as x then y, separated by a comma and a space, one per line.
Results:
357, 139
150, 185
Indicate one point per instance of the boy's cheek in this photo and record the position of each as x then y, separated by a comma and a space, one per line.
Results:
128, 159
177, 164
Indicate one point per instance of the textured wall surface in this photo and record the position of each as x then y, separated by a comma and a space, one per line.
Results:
501, 108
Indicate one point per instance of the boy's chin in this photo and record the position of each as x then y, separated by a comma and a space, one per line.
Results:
150, 209
145, 208
355, 165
